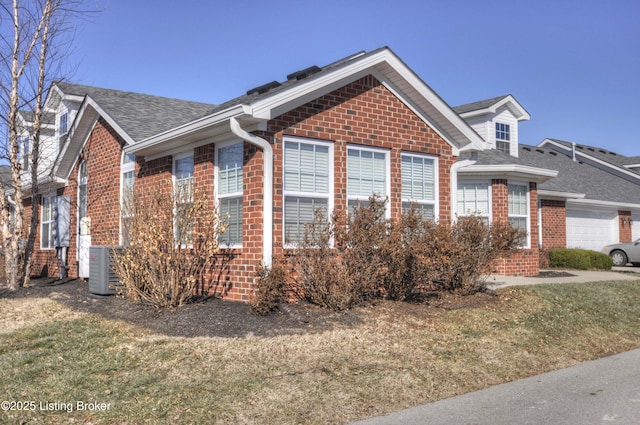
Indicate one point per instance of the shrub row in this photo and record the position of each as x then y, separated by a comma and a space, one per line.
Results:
350, 259
580, 259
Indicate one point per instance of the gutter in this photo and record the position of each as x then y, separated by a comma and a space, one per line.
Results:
267, 215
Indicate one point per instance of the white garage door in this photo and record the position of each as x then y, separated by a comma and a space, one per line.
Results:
635, 227
591, 229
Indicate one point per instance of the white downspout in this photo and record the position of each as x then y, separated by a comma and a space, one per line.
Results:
267, 190
454, 181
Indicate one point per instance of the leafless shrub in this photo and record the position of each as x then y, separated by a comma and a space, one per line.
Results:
350, 259
172, 245
337, 262
272, 288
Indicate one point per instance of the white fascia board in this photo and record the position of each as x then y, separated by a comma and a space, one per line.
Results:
80, 116
188, 128
90, 110
593, 203
540, 174
552, 194
522, 114
300, 94
416, 110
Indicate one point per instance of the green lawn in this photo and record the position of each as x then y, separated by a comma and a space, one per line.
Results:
392, 360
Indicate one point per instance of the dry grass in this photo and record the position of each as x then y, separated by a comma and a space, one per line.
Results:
395, 359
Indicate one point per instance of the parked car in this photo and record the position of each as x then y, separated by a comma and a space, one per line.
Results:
623, 253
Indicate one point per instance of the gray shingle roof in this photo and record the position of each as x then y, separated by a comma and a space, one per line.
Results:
495, 157
293, 79
579, 177
474, 106
48, 118
140, 115
601, 154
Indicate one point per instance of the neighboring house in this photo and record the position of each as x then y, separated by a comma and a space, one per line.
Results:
326, 137
595, 199
83, 166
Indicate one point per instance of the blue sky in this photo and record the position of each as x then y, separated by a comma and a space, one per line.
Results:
574, 65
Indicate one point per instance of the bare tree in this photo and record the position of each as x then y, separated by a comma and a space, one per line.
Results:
33, 36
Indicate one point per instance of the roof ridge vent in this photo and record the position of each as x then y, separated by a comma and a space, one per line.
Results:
263, 88
304, 73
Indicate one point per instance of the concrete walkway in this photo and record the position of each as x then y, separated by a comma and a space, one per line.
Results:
597, 392
602, 391
617, 273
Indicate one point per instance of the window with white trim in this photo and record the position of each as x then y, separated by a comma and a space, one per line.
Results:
368, 174
308, 183
229, 187
474, 198
63, 128
48, 222
518, 200
83, 177
503, 137
183, 196
419, 184
63, 124
127, 181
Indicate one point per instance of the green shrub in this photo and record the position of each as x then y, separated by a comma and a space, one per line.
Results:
580, 259
600, 260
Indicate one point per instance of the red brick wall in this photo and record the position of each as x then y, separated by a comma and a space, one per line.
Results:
103, 155
554, 224
624, 226
524, 261
364, 112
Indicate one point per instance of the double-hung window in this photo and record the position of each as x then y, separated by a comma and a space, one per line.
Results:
127, 170
229, 160
474, 198
367, 174
308, 178
63, 128
519, 208
183, 197
48, 222
419, 184
503, 137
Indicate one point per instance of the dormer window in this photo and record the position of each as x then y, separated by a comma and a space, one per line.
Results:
503, 137
62, 125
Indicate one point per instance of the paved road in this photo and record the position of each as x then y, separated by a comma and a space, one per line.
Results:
604, 391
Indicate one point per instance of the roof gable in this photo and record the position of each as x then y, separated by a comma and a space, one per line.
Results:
491, 106
274, 99
138, 115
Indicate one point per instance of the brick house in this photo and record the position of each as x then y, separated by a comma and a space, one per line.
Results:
326, 137
593, 201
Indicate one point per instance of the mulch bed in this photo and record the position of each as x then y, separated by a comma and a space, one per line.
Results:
214, 317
